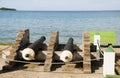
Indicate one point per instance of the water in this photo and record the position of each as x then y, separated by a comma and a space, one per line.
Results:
69, 24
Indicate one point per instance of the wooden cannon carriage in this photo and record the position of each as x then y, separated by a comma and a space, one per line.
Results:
53, 48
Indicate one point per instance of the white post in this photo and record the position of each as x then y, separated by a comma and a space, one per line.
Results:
109, 62
97, 40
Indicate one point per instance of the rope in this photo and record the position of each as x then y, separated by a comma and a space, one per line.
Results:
74, 62
100, 48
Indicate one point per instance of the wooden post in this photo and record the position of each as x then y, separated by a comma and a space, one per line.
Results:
86, 50
97, 44
54, 40
22, 40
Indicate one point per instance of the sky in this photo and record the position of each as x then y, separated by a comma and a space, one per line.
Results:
65, 5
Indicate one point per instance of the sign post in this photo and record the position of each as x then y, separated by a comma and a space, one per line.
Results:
109, 62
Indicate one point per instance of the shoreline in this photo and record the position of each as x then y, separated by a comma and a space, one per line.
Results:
6, 43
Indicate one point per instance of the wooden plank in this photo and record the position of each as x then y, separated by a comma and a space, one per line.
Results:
86, 51
22, 40
51, 48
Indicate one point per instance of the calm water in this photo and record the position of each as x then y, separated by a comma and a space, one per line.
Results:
69, 24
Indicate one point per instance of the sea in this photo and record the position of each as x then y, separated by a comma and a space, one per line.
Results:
68, 23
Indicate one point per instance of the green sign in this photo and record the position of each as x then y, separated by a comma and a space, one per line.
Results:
105, 37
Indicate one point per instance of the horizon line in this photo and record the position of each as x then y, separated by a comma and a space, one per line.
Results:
67, 10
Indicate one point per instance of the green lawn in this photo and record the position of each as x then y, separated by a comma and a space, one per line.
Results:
112, 76
106, 37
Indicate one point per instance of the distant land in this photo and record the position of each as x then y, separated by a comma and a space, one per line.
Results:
7, 9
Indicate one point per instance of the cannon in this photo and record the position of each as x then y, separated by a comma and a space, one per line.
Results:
33, 49
66, 55
49, 56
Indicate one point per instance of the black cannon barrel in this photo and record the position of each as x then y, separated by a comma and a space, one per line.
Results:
36, 46
67, 54
33, 49
69, 45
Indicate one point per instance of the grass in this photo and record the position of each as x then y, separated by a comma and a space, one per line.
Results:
106, 37
112, 76
0, 51
5, 43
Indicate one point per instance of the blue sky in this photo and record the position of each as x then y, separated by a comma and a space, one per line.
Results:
61, 4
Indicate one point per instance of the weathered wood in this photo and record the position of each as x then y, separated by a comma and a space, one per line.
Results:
117, 63
54, 40
22, 40
117, 69
86, 50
